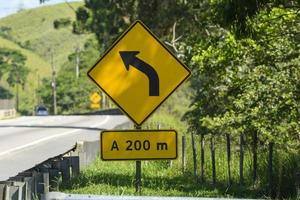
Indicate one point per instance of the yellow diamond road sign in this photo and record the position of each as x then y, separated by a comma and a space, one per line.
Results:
138, 144
95, 98
138, 72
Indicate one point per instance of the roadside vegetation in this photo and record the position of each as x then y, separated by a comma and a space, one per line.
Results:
242, 124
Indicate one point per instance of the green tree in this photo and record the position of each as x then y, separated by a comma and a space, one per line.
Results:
249, 84
107, 19
12, 63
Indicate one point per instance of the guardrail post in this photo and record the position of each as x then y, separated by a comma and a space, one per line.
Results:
21, 190
11, 191
2, 188
6, 192
46, 182
74, 164
39, 183
29, 187
54, 177
64, 167
14, 192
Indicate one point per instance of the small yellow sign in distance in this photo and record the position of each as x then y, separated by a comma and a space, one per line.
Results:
138, 72
95, 98
95, 106
138, 145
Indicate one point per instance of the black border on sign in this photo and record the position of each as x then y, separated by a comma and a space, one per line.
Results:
145, 130
164, 46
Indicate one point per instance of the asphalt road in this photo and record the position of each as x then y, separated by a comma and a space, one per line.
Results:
28, 141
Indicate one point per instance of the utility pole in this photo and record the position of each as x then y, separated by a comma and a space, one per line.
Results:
17, 89
38, 87
77, 61
53, 84
17, 97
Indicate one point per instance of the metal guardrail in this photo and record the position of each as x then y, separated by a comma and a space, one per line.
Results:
31, 184
34, 183
63, 196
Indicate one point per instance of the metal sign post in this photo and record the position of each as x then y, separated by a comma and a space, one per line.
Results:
138, 170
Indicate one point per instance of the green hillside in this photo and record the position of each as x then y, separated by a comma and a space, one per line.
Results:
34, 29
39, 69
34, 61
32, 33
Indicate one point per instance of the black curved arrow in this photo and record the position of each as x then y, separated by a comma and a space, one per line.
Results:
129, 58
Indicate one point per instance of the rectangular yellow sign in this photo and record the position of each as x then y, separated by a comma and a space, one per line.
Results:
95, 105
138, 144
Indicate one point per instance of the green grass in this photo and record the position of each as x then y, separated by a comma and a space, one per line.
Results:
158, 179
35, 27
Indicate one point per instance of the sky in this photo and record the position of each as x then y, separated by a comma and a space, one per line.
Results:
8, 7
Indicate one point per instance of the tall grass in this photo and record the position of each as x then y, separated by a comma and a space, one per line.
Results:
165, 178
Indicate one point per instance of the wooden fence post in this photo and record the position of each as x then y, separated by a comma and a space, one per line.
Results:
202, 156
298, 184
228, 149
241, 159
183, 154
254, 153
270, 168
213, 159
194, 155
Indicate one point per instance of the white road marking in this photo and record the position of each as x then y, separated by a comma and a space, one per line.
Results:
49, 138
36, 142
103, 122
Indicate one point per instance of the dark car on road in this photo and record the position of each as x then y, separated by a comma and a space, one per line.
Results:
41, 111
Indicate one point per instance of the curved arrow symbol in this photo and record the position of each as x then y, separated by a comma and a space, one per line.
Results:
129, 58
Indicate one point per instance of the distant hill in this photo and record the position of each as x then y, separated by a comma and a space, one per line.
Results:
32, 32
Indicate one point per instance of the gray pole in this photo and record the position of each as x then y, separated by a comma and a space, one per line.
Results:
17, 97
77, 61
138, 171
53, 84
